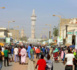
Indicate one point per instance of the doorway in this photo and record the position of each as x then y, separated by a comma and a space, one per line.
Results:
73, 39
64, 41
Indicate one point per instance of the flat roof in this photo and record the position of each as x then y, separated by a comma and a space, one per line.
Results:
3, 29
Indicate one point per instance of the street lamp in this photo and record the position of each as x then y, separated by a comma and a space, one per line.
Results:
9, 22
59, 24
57, 16
50, 30
2, 7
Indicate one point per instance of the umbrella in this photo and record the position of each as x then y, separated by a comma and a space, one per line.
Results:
72, 46
56, 50
1, 44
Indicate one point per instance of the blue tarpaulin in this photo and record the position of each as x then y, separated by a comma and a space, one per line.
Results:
72, 46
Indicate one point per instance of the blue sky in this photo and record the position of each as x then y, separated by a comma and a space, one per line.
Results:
21, 11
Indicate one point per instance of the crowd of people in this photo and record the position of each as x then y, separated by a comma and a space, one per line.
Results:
45, 56
12, 54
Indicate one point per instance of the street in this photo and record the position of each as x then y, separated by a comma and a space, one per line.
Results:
58, 66
16, 66
29, 66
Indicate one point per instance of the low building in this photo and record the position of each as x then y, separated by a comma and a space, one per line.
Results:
34, 41
62, 23
3, 34
68, 31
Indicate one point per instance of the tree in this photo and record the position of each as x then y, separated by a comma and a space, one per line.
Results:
55, 31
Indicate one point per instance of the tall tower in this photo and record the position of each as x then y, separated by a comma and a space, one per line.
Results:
33, 20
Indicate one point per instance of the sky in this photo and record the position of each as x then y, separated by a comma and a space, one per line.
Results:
21, 10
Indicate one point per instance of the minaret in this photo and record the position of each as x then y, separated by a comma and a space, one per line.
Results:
33, 20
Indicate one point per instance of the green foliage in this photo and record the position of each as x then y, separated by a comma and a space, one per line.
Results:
55, 31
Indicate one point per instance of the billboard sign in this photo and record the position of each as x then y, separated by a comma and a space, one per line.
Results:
59, 40
69, 39
71, 33
7, 40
